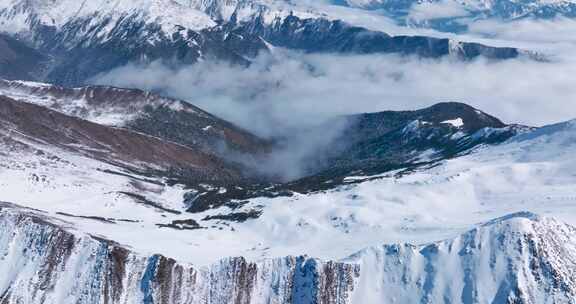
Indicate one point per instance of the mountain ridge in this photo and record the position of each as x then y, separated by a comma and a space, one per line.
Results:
121, 275
460, 14
141, 111
87, 45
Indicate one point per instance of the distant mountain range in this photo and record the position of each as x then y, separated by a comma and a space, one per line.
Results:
70, 42
454, 16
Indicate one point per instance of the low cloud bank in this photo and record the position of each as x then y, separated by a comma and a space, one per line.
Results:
284, 93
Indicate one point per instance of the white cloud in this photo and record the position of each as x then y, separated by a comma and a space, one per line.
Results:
288, 91
554, 36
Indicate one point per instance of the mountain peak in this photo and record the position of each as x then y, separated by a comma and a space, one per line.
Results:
472, 119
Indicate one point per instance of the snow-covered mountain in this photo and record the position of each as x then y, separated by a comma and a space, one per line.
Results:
521, 258
531, 171
140, 111
45, 262
44, 132
39, 170
20, 16
373, 141
453, 16
112, 195
78, 40
116, 32
91, 192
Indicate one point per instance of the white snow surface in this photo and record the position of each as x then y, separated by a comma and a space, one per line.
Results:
532, 172
19, 15
520, 258
458, 122
80, 103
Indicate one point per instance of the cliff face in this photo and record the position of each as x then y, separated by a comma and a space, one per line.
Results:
516, 259
520, 258
42, 262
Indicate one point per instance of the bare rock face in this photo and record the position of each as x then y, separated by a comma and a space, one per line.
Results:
42, 262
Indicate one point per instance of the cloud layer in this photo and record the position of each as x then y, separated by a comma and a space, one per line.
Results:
283, 93
288, 90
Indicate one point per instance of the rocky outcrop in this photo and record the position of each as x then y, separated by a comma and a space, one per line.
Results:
401, 137
19, 61
335, 36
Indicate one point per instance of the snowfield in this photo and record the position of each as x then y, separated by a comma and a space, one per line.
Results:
16, 13
488, 226
531, 172
18, 16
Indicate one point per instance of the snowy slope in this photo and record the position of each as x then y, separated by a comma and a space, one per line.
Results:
21, 16
44, 262
530, 172
455, 16
107, 106
141, 111
521, 258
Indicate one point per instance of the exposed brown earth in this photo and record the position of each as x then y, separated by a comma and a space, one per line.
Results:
145, 112
112, 145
